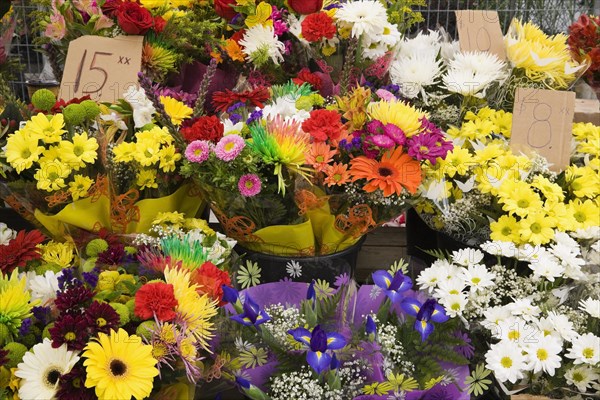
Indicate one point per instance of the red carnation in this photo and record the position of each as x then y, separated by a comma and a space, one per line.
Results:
306, 6
305, 76
323, 125
204, 128
224, 9
156, 298
134, 19
210, 280
318, 26
20, 250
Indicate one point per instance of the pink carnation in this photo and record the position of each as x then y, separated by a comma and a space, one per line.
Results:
229, 147
249, 185
198, 151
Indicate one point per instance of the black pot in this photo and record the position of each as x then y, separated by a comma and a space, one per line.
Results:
327, 267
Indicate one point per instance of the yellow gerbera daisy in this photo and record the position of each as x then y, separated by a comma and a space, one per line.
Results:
398, 113
22, 151
176, 110
119, 366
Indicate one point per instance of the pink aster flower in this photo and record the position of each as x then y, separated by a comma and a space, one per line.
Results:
198, 151
382, 141
229, 147
249, 185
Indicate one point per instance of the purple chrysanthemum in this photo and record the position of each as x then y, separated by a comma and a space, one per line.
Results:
198, 151
249, 185
229, 147
70, 330
395, 133
426, 147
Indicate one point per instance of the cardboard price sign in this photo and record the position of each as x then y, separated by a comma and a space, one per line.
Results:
100, 67
479, 30
542, 123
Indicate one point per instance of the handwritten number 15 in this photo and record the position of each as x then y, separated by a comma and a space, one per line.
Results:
93, 67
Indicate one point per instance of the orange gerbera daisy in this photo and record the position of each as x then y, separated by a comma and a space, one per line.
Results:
394, 171
337, 174
319, 155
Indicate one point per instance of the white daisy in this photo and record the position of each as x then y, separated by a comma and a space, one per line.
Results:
294, 269
41, 369
499, 248
428, 279
390, 35
6, 234
566, 240
590, 306
506, 361
374, 49
466, 257
529, 253
585, 349
547, 267
524, 308
454, 304
44, 287
477, 277
543, 355
366, 17
547, 329
591, 232
581, 377
454, 285
260, 43
563, 325
415, 73
518, 331
493, 316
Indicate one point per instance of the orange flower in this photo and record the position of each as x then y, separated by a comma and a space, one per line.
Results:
234, 50
337, 174
394, 171
319, 155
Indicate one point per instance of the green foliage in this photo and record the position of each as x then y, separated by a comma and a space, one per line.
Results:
327, 307
402, 14
291, 89
477, 383
440, 254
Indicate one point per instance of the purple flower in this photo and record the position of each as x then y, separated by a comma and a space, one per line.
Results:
229, 147
424, 313
370, 327
249, 185
235, 118
25, 326
91, 278
42, 314
252, 314
67, 279
318, 342
395, 133
423, 147
467, 350
254, 116
280, 27
375, 127
235, 106
393, 286
381, 141
198, 151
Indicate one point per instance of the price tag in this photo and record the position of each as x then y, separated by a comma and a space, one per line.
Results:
542, 123
479, 30
100, 67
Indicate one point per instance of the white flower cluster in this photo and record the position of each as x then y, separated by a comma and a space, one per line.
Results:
283, 318
392, 349
298, 385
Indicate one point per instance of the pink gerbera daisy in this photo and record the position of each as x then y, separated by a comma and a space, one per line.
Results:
229, 147
198, 151
249, 185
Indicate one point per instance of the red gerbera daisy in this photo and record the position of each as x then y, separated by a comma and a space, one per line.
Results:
156, 298
225, 99
20, 250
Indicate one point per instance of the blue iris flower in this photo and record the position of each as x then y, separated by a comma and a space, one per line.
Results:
319, 343
424, 313
393, 286
252, 314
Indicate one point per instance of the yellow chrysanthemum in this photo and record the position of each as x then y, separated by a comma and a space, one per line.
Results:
80, 151
488, 153
398, 113
168, 157
200, 224
47, 128
457, 162
170, 218
176, 110
80, 186
146, 179
562, 214
192, 308
22, 150
119, 366
550, 190
160, 135
585, 213
502, 121
518, 198
506, 229
52, 153
51, 175
537, 228
124, 152
583, 181
58, 253
147, 152
15, 303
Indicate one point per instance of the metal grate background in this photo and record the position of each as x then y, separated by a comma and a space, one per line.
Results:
553, 16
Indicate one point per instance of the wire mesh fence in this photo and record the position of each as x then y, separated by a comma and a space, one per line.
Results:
552, 16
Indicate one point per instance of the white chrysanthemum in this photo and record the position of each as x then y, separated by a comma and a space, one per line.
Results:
499, 248
547, 267
41, 369
424, 43
374, 49
585, 349
477, 277
44, 287
524, 308
590, 306
260, 42
543, 355
143, 110
581, 377
285, 107
466, 257
547, 329
449, 49
428, 279
471, 73
390, 35
454, 304
592, 232
506, 361
366, 17
415, 73
6, 234
563, 325
517, 330
566, 240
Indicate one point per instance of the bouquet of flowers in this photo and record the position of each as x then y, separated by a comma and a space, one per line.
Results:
305, 341
584, 42
84, 165
482, 190
175, 32
291, 178
119, 322
532, 312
